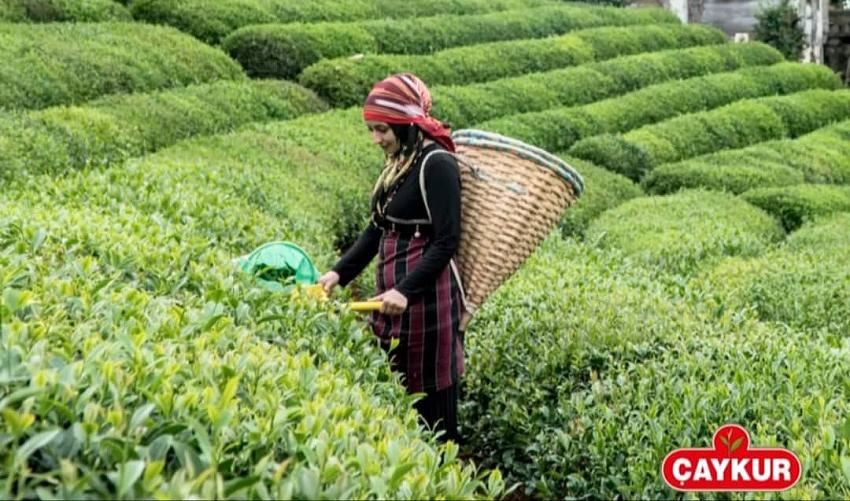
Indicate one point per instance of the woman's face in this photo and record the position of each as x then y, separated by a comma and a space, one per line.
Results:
383, 136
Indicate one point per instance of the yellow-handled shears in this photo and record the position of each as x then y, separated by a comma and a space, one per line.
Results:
318, 292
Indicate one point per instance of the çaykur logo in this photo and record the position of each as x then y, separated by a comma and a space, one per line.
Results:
732, 465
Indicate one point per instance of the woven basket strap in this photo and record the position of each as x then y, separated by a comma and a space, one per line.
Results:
452, 264
422, 181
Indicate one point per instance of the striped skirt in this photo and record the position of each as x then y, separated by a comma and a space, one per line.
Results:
430, 351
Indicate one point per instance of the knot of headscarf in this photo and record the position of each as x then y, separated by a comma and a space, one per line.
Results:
402, 99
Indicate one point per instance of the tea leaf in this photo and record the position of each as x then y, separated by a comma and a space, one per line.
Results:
229, 391
140, 415
204, 443
844, 429
308, 483
399, 473
159, 448
128, 474
188, 458
152, 470
18, 423
38, 240
828, 437
34, 443
20, 395
845, 467
233, 487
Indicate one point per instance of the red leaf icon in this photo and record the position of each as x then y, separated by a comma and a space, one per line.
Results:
736, 444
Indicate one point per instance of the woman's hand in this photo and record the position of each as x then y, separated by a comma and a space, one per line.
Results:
393, 302
329, 280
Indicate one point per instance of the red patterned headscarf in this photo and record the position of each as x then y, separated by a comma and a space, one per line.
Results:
402, 99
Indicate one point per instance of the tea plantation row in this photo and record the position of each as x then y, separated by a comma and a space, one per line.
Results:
284, 50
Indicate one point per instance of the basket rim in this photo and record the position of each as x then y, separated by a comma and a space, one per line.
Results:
494, 141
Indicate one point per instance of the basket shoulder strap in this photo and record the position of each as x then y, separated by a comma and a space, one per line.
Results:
452, 263
422, 180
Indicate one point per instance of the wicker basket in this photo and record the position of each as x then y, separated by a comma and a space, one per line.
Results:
513, 195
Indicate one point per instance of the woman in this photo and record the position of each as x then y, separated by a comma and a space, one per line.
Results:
415, 231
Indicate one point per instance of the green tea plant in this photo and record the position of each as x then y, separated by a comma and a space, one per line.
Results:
48, 11
828, 232
76, 62
12, 13
822, 156
573, 129
467, 105
803, 284
734, 126
284, 50
794, 205
211, 22
111, 129
142, 364
603, 190
210, 394
582, 393
676, 235
346, 81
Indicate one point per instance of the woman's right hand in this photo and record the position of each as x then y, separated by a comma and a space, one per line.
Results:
329, 280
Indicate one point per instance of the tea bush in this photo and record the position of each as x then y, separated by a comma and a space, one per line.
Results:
603, 190
279, 169
114, 391
583, 392
822, 156
346, 81
212, 21
825, 232
82, 61
794, 205
196, 182
48, 11
586, 315
340, 137
735, 171
12, 12
733, 126
114, 128
676, 235
284, 50
464, 106
573, 129
807, 291
804, 284
719, 373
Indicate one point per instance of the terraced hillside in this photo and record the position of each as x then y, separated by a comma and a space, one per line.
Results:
701, 279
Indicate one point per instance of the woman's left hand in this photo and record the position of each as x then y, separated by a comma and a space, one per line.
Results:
393, 302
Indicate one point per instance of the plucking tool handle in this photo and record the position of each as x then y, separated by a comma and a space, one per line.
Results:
365, 306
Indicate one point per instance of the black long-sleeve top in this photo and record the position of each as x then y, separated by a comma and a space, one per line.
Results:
442, 186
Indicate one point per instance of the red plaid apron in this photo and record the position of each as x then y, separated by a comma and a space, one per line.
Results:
430, 350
